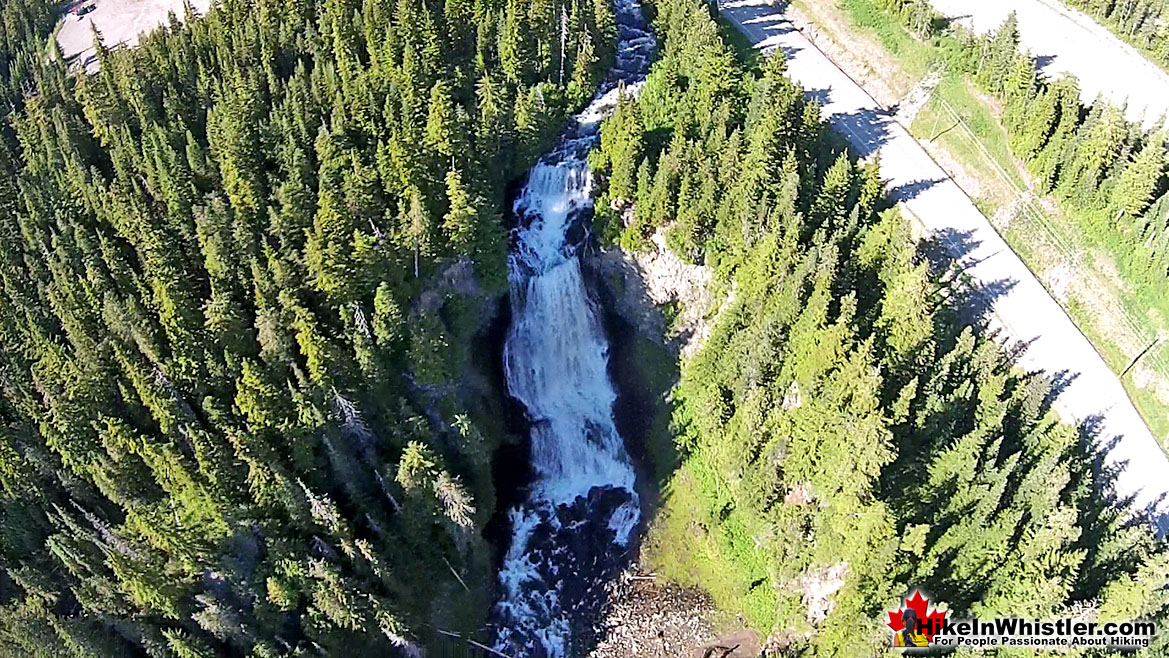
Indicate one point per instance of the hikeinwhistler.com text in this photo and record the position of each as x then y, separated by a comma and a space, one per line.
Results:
1057, 634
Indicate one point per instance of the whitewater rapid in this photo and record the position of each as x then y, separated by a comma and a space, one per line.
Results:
572, 530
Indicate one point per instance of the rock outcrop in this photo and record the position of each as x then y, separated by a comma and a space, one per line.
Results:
666, 298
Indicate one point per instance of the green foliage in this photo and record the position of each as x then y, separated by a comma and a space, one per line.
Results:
843, 436
1142, 23
1037, 127
1107, 168
229, 319
918, 16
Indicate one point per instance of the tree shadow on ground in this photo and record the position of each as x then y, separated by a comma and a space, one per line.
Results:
821, 96
910, 190
949, 253
1105, 510
1043, 61
866, 129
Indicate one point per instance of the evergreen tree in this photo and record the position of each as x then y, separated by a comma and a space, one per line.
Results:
214, 248
1141, 178
839, 424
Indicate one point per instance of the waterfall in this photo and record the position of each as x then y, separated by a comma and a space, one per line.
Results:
571, 531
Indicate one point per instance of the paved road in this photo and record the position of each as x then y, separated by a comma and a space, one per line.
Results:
1067, 41
1014, 301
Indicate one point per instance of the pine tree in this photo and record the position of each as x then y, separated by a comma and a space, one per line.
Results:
1141, 178
1036, 128
622, 146
515, 48
440, 122
999, 54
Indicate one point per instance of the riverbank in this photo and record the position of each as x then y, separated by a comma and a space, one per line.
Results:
649, 617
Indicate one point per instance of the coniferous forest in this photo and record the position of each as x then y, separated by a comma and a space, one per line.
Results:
248, 267
1113, 171
1090, 156
840, 428
1141, 23
243, 264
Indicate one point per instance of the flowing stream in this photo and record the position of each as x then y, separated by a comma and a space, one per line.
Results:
572, 530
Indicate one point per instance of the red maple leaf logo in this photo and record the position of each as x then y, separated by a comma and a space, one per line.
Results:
931, 621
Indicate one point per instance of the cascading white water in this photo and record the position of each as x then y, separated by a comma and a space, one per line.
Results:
556, 354
582, 508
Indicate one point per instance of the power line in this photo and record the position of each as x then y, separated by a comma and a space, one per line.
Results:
1023, 200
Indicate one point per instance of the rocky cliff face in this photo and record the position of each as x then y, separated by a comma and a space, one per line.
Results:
667, 299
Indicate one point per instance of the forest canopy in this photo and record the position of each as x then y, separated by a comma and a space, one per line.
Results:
843, 436
243, 267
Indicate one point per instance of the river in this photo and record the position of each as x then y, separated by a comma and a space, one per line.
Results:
573, 530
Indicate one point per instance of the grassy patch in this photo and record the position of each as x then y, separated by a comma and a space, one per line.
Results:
1154, 411
690, 545
978, 142
1151, 408
957, 94
658, 372
916, 56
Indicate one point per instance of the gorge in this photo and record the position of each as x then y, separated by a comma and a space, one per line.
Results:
572, 530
